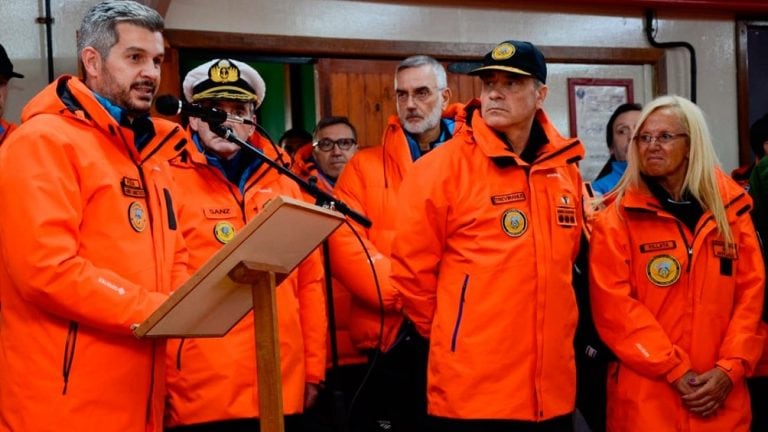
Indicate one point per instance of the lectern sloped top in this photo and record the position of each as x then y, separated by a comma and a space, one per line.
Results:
210, 303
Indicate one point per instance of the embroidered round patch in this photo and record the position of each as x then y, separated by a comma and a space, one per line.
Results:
137, 216
503, 51
514, 222
663, 270
224, 232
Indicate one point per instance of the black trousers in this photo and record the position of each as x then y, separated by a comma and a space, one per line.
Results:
758, 394
557, 424
394, 397
292, 424
332, 412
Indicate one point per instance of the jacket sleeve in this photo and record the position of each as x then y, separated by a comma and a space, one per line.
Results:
312, 313
624, 323
743, 341
417, 249
42, 208
366, 279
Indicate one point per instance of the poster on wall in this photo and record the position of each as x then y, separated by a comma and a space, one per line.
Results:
591, 101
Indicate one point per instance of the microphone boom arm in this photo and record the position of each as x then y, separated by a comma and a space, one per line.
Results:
311, 188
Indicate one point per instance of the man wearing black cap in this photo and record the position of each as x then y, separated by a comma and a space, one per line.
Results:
485, 242
6, 73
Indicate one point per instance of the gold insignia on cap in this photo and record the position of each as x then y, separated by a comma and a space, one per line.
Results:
663, 270
224, 232
224, 72
514, 222
503, 51
137, 216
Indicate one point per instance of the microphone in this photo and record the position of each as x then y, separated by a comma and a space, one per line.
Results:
170, 106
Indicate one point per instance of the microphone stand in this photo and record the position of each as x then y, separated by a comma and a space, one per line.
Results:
328, 200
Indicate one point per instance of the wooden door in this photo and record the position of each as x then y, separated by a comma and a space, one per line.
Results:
363, 91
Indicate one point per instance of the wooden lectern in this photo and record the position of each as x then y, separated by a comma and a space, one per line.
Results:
242, 276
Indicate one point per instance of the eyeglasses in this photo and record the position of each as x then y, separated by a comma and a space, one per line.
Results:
421, 94
326, 144
662, 138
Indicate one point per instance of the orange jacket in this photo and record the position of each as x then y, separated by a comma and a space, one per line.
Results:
666, 301
5, 130
305, 167
482, 260
369, 184
89, 246
213, 379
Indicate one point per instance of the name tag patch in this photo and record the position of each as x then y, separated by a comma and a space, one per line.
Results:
218, 212
507, 198
723, 250
657, 246
132, 187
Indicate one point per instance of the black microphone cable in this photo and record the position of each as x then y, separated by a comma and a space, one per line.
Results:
378, 351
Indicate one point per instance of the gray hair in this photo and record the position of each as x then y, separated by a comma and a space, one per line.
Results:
98, 27
423, 60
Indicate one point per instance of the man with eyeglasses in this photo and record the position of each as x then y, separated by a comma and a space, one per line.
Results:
370, 184
211, 382
334, 143
487, 232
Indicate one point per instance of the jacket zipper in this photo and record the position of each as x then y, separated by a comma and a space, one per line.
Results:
460, 313
688, 247
148, 415
69, 353
178, 353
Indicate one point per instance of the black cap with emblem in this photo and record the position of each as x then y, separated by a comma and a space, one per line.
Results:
517, 57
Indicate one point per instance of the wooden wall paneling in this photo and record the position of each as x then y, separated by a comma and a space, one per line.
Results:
372, 99
388, 102
355, 92
336, 94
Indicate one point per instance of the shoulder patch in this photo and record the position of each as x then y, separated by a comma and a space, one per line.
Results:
663, 270
514, 222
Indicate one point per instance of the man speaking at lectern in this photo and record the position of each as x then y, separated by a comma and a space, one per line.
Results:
212, 383
88, 238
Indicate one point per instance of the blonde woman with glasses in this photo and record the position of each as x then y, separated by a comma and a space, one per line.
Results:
676, 279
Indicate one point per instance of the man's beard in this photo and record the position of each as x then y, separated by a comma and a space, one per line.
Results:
122, 96
431, 121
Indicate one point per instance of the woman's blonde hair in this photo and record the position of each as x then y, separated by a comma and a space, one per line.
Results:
700, 178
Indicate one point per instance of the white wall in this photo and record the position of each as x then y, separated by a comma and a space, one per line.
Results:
713, 36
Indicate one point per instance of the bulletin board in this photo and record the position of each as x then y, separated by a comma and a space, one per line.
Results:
591, 101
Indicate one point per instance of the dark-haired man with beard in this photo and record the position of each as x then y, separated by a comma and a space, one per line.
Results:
89, 244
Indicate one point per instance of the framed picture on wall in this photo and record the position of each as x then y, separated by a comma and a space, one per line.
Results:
591, 101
